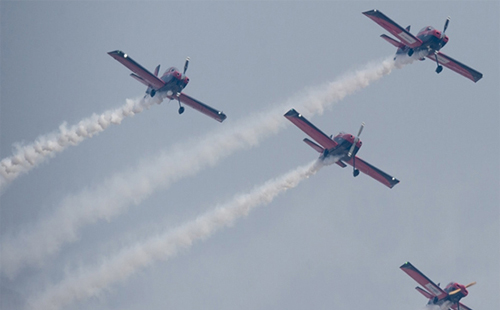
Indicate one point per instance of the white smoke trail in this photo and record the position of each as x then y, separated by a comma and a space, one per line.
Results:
27, 157
90, 282
103, 201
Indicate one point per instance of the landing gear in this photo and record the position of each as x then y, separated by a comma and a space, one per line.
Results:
355, 173
410, 52
439, 67
181, 108
152, 93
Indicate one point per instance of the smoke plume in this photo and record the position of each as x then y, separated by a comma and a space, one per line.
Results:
90, 282
27, 157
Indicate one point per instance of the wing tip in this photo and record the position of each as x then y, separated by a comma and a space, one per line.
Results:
370, 12
117, 52
292, 113
478, 77
393, 182
221, 117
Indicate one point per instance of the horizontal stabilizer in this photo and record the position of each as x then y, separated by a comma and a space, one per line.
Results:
138, 78
424, 292
392, 41
318, 148
341, 164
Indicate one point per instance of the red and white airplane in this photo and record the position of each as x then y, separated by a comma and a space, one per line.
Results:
446, 298
170, 85
342, 148
427, 43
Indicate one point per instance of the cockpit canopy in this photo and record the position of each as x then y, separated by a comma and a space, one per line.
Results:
339, 137
451, 287
427, 28
171, 70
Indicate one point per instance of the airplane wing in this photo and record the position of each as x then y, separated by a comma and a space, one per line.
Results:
462, 306
373, 172
201, 107
141, 72
388, 24
306, 126
423, 280
457, 66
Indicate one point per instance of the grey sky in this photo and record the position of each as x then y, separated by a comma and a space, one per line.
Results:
332, 242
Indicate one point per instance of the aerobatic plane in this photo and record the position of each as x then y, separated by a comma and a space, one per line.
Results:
446, 298
170, 85
342, 148
427, 43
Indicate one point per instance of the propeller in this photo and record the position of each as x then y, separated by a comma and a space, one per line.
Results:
458, 290
351, 150
186, 64
445, 27
355, 172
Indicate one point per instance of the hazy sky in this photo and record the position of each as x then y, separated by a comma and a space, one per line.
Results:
118, 204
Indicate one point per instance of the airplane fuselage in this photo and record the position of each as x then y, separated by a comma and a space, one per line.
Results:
432, 42
345, 142
174, 80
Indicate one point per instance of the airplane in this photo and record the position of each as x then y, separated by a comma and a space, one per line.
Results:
170, 85
342, 149
446, 298
427, 43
